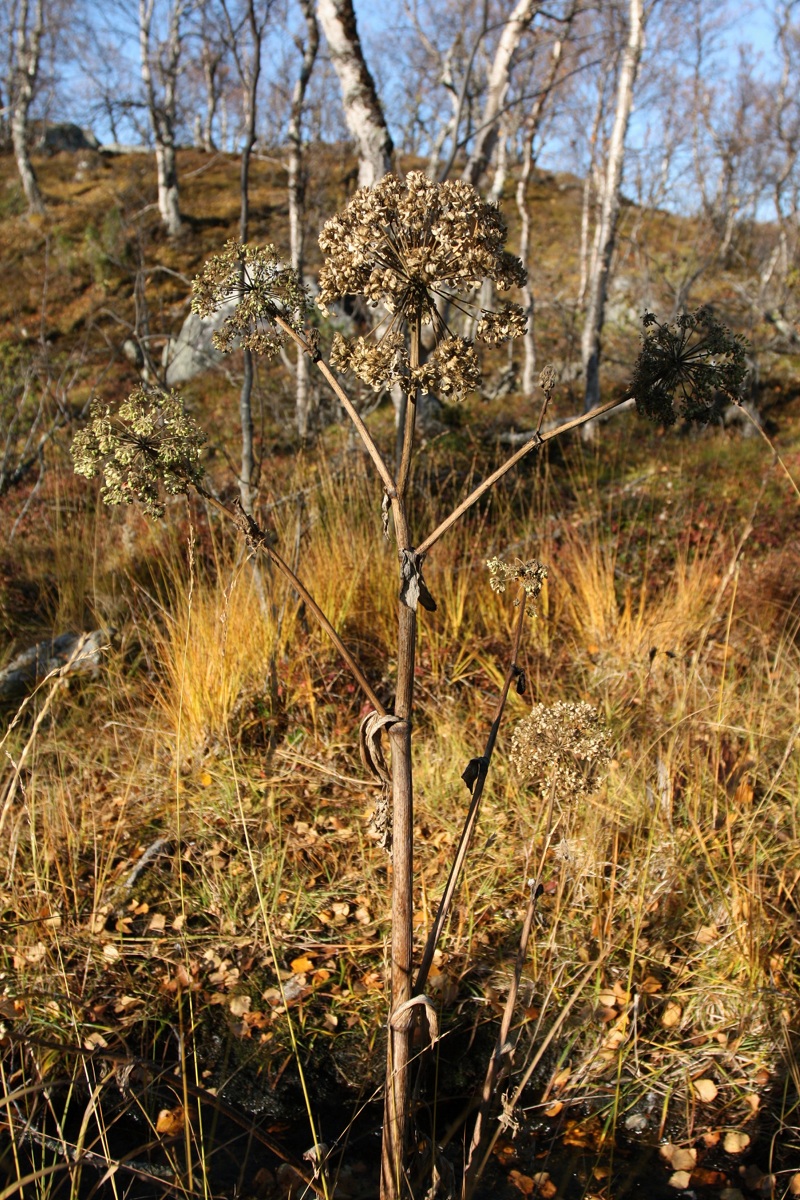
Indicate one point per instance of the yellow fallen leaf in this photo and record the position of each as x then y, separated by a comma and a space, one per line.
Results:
680, 1180
95, 1041
301, 965
650, 986
553, 1109
794, 1185
607, 999
171, 1121
671, 1015
158, 923
735, 1142
706, 934
705, 1090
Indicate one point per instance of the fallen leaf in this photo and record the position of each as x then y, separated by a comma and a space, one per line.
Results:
553, 1109
671, 1015
711, 1138
703, 1177
607, 999
794, 1185
706, 934
205, 779
680, 1180
560, 1079
239, 1005
544, 1185
95, 1041
301, 965
110, 952
705, 1090
679, 1158
171, 1121
158, 923
523, 1183
735, 1142
650, 986
505, 1152
753, 1101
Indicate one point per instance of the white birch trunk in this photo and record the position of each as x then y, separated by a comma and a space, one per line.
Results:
162, 109
297, 187
362, 108
600, 268
26, 70
499, 81
532, 126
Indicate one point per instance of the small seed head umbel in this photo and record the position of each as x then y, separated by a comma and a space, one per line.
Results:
531, 575
264, 287
148, 446
563, 746
683, 368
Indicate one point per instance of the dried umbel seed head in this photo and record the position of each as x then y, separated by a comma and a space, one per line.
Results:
563, 746
148, 445
689, 363
406, 245
531, 575
264, 287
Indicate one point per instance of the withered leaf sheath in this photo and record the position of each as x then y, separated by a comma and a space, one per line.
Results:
406, 244
264, 288
150, 445
684, 367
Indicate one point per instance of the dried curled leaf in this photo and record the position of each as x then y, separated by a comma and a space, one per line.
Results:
413, 589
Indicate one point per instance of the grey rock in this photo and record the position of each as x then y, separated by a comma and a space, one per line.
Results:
65, 136
192, 351
69, 653
133, 352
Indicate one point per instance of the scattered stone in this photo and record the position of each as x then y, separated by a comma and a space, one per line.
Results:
53, 138
193, 350
133, 352
71, 653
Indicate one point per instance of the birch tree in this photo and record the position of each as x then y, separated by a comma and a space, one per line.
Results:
159, 69
297, 186
362, 108
499, 81
28, 31
245, 33
609, 204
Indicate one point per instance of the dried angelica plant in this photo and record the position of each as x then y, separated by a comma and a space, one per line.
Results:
415, 247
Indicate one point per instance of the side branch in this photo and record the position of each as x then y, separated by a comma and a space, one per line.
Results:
345, 402
538, 439
259, 539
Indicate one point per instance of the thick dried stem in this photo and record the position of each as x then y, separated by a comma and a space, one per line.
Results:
472, 813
